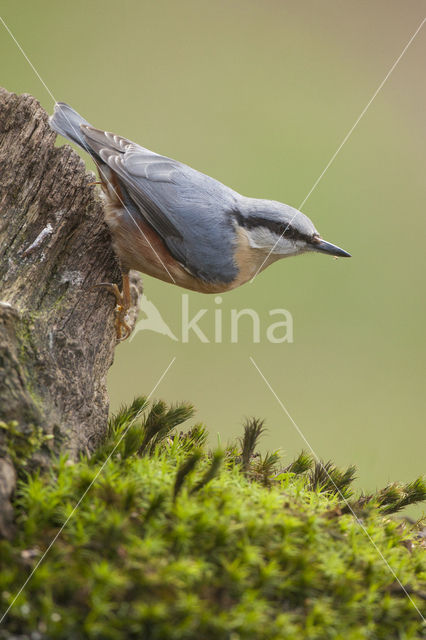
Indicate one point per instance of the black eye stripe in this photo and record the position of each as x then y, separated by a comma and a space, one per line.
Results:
279, 228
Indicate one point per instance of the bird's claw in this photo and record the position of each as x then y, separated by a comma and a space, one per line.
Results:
122, 328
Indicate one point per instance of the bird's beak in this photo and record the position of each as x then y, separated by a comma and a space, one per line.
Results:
326, 247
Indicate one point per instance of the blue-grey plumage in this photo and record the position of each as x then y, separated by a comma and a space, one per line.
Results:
180, 225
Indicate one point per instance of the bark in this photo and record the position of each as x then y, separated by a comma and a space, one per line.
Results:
57, 335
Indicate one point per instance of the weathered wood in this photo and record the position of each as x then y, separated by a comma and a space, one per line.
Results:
57, 335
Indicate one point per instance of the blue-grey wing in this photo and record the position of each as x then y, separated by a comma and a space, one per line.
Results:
189, 210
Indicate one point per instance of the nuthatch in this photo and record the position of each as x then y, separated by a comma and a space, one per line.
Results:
179, 225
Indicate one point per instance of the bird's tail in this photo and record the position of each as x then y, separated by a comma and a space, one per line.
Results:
67, 122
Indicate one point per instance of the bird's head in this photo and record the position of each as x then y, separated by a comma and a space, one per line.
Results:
281, 231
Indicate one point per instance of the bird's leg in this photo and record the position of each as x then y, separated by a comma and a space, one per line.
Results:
123, 305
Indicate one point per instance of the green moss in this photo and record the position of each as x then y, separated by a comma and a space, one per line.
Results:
172, 541
21, 443
25, 333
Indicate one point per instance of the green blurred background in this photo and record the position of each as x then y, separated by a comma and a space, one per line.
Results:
260, 95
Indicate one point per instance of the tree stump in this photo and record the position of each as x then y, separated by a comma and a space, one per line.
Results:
57, 334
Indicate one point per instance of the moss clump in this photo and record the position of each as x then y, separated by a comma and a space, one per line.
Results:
171, 541
21, 444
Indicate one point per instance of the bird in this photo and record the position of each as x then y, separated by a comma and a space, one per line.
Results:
179, 225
